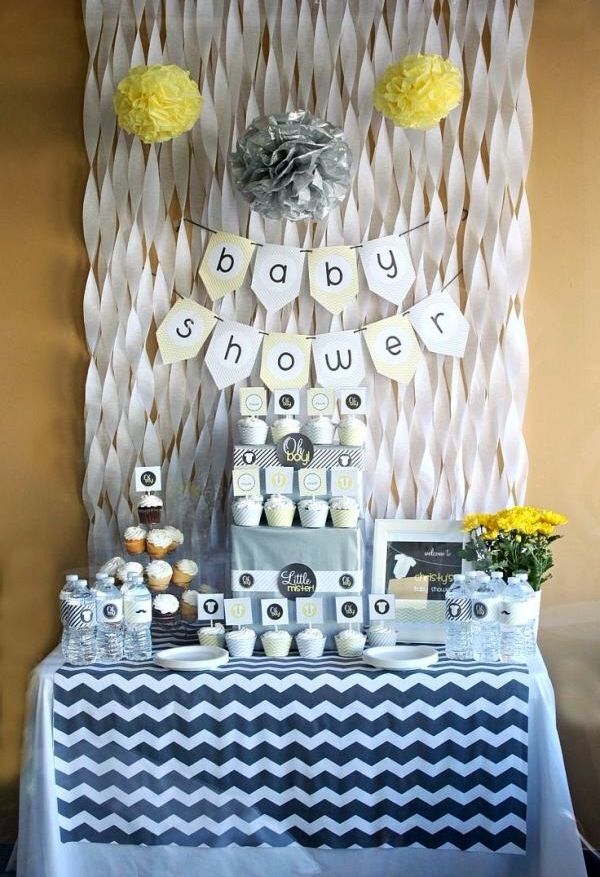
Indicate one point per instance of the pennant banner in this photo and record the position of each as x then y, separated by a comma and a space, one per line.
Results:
277, 275
333, 277
440, 324
232, 352
285, 361
394, 348
339, 359
226, 260
184, 330
388, 267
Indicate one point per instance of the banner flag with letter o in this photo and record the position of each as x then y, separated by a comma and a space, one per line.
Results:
285, 361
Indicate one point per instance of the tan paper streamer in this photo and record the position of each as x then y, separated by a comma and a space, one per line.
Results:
449, 442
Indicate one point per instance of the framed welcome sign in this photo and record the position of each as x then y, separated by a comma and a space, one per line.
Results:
415, 561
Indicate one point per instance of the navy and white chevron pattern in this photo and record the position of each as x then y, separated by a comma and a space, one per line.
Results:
328, 754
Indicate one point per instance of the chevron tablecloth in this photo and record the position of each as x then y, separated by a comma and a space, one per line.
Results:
324, 754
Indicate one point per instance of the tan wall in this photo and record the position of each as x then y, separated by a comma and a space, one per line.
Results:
43, 52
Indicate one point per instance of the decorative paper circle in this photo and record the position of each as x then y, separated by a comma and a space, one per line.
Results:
295, 450
292, 166
297, 580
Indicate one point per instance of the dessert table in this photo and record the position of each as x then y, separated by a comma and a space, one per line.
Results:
305, 767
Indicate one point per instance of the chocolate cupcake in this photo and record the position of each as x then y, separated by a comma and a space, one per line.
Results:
150, 509
165, 607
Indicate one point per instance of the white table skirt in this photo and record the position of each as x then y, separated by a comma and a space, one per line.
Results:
553, 847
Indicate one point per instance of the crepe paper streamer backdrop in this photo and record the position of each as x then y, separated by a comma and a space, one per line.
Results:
449, 442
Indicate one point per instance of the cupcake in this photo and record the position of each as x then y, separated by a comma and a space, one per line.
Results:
310, 642
165, 607
350, 643
159, 574
183, 572
279, 510
240, 642
319, 430
352, 430
150, 509
381, 635
344, 511
252, 430
313, 512
133, 568
212, 636
189, 605
158, 543
113, 567
276, 643
135, 540
176, 537
283, 426
247, 510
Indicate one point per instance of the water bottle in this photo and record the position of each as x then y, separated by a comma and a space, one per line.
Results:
101, 577
70, 582
485, 626
109, 617
517, 621
458, 620
471, 578
138, 619
498, 584
78, 616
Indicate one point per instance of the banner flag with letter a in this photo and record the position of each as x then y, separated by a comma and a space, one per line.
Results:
277, 275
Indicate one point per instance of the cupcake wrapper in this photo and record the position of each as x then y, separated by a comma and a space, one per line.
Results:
240, 648
190, 613
351, 435
155, 552
313, 517
253, 435
181, 579
349, 650
319, 435
280, 517
277, 433
344, 517
207, 637
276, 650
313, 648
378, 639
158, 585
135, 546
149, 516
247, 517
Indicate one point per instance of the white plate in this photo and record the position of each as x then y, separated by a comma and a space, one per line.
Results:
400, 657
191, 658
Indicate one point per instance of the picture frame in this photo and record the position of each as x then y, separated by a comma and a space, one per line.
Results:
415, 560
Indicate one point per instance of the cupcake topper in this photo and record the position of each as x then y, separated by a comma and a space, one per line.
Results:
309, 609
147, 479
274, 612
210, 606
348, 609
238, 611
381, 607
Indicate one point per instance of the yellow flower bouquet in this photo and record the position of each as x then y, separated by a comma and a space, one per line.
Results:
514, 540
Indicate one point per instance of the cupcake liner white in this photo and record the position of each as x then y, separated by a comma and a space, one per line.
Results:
319, 433
248, 516
280, 517
279, 648
344, 517
279, 432
350, 649
380, 638
313, 517
253, 435
352, 435
311, 648
240, 648
208, 637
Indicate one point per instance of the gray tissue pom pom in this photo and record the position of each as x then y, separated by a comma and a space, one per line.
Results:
292, 166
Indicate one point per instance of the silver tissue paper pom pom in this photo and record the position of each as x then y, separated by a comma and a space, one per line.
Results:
292, 166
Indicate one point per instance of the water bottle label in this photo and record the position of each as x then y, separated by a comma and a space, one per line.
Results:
78, 614
516, 614
138, 611
458, 609
486, 610
109, 611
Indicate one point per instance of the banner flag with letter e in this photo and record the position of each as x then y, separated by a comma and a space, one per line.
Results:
394, 348
441, 324
277, 275
388, 267
285, 361
333, 277
338, 359
225, 262
232, 352
183, 331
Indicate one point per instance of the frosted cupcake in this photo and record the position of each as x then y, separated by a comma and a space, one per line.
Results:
188, 605
283, 426
158, 543
165, 607
113, 567
350, 643
310, 642
135, 540
212, 636
240, 642
313, 512
319, 430
276, 643
352, 430
344, 511
133, 568
252, 430
381, 635
183, 572
150, 509
176, 537
159, 574
247, 511
280, 510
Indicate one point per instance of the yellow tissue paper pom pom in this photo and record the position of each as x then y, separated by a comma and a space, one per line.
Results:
418, 91
157, 103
